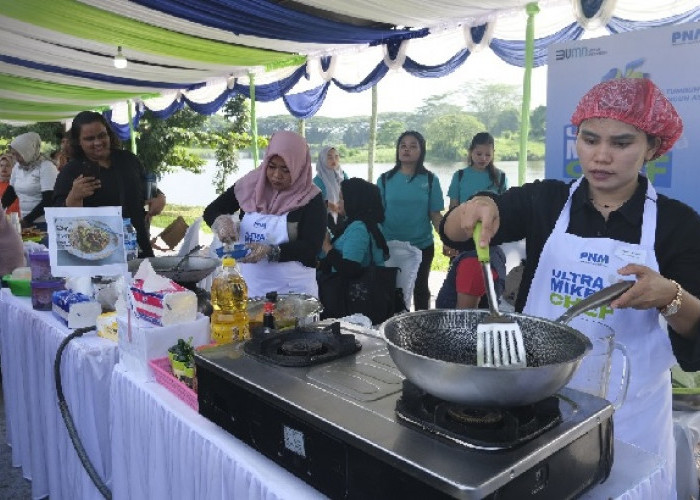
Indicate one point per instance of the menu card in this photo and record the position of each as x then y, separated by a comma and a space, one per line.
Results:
86, 241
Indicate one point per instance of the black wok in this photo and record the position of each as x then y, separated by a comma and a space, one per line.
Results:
436, 350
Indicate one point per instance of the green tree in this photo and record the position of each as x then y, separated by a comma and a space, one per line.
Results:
50, 133
232, 139
449, 135
507, 120
389, 131
538, 123
161, 144
488, 100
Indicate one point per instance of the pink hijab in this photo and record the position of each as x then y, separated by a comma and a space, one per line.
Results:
255, 194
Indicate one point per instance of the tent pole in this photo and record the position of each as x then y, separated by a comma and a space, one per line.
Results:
301, 127
253, 119
531, 10
372, 134
132, 136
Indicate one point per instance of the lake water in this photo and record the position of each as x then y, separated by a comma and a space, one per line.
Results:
185, 188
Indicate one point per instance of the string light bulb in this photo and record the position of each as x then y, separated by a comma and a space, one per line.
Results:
119, 60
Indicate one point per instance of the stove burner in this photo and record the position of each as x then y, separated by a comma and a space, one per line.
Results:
302, 347
489, 429
474, 416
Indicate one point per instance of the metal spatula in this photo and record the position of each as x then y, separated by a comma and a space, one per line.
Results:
499, 341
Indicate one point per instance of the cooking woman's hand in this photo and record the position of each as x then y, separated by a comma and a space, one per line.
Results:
225, 228
82, 188
258, 252
651, 290
459, 224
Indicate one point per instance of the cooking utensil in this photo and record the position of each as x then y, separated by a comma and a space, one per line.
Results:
436, 350
179, 265
195, 269
499, 341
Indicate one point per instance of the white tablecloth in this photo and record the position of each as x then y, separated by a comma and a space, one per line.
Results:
35, 430
163, 449
686, 430
151, 428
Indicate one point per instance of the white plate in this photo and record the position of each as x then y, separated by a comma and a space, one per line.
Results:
106, 241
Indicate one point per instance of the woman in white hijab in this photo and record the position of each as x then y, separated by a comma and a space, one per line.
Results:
33, 178
329, 175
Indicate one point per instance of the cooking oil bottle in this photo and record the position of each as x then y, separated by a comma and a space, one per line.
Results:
229, 297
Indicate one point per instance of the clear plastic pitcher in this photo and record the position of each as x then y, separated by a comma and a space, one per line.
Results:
593, 374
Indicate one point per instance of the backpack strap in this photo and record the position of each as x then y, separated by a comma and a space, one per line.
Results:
430, 189
502, 182
382, 179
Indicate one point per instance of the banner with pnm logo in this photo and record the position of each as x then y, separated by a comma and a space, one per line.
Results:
668, 56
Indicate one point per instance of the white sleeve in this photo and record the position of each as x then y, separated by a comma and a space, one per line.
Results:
47, 176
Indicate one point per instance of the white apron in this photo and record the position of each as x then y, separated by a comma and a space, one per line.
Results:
570, 268
264, 276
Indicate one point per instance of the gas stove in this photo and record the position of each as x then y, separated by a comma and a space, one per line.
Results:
352, 427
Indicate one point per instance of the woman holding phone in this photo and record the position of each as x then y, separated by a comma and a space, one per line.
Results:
101, 174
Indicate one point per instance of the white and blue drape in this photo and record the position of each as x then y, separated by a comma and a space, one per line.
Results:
306, 103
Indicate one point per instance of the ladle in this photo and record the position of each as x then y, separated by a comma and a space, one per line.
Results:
180, 263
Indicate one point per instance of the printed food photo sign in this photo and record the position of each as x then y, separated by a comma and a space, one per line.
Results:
86, 241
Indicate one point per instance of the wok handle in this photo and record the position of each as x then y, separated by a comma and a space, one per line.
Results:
604, 296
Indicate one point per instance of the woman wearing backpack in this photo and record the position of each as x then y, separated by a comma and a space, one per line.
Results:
413, 202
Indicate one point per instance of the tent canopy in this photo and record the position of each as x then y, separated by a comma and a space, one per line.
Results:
56, 58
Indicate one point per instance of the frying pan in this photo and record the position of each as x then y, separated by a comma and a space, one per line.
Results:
436, 350
182, 271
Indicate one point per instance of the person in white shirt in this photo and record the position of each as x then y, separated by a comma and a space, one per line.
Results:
32, 179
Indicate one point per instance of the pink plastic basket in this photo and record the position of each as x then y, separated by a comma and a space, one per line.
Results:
164, 376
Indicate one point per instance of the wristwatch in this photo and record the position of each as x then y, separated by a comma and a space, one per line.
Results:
274, 254
673, 307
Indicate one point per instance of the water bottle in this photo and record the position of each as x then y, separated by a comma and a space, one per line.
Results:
229, 297
131, 246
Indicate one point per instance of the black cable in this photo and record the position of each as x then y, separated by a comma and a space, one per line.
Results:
68, 419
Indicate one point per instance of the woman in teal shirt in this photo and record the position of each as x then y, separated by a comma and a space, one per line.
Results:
413, 202
359, 241
480, 174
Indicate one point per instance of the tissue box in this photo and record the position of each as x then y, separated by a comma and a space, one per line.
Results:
75, 309
107, 326
148, 342
172, 305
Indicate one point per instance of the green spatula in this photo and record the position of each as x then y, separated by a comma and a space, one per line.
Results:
499, 340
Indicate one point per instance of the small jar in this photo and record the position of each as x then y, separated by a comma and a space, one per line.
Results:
42, 293
40, 266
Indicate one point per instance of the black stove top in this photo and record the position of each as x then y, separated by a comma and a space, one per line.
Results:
303, 346
336, 426
483, 428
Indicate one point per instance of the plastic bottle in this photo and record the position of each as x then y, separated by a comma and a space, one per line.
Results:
229, 297
269, 312
131, 246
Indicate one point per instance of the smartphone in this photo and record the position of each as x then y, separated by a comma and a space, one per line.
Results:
91, 169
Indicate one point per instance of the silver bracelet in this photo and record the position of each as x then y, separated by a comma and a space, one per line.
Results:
274, 254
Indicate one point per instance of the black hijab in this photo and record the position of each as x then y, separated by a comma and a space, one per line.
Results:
363, 202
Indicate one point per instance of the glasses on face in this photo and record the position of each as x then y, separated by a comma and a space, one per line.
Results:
92, 138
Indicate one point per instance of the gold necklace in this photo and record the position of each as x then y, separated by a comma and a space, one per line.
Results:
606, 206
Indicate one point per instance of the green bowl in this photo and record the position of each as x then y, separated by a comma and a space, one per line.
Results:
19, 287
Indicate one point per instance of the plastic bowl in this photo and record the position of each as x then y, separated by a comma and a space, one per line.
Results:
18, 287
